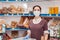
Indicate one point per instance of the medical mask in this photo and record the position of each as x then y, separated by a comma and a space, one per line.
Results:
36, 13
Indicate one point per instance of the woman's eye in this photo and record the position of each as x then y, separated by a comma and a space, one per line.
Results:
35, 10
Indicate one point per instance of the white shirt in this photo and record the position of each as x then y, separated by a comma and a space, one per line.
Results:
36, 21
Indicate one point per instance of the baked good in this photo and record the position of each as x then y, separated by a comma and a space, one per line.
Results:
4, 10
13, 24
13, 9
20, 9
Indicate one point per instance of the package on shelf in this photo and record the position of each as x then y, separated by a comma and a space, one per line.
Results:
53, 10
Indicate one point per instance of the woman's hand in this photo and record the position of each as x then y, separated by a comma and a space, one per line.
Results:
46, 36
42, 37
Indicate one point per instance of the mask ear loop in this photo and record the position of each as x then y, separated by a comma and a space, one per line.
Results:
0, 27
40, 13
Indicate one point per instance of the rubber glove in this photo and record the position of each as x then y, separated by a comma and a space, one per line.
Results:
3, 28
26, 37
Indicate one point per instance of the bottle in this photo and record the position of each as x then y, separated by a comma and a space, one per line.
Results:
3, 28
0, 37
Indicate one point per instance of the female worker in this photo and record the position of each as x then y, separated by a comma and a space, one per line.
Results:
38, 26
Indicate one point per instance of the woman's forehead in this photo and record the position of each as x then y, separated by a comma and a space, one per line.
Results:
36, 8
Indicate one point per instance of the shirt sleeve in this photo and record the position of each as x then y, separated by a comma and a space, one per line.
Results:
45, 28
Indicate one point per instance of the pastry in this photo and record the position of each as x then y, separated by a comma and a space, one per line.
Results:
20, 10
13, 24
13, 9
4, 10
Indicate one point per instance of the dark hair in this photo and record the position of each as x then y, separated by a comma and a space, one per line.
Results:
37, 6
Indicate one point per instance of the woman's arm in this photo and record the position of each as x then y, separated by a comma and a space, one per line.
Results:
26, 23
28, 34
45, 28
42, 37
46, 35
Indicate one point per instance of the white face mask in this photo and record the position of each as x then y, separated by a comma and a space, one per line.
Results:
36, 13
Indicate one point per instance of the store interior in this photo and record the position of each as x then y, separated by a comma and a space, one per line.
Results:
15, 24
26, 7
11, 33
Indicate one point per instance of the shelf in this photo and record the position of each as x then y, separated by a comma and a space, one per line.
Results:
13, 29
28, 14
16, 0
50, 15
3, 0
25, 14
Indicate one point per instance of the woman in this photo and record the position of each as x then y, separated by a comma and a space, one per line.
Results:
38, 26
